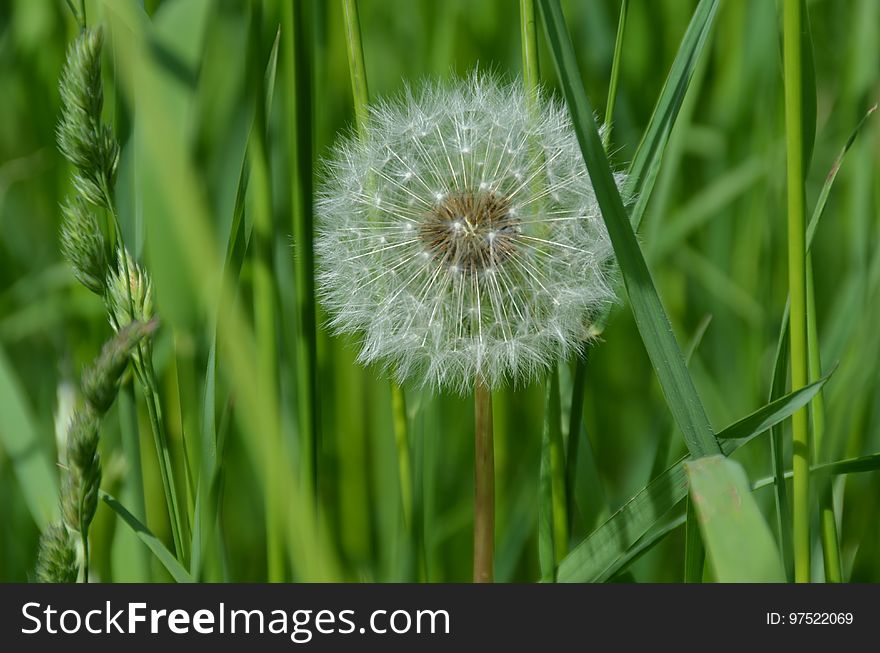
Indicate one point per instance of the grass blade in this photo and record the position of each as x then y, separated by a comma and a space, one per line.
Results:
152, 542
739, 544
650, 317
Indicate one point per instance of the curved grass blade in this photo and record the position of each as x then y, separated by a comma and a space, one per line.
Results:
739, 544
643, 170
600, 555
645, 165
650, 317
153, 543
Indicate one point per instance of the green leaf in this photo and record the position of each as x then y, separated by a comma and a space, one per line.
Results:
30, 462
143, 533
650, 317
601, 554
646, 163
739, 544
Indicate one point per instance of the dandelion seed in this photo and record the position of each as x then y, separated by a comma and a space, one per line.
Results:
485, 260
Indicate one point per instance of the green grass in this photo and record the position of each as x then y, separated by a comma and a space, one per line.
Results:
290, 462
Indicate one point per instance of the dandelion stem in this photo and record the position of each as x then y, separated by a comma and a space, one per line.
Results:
484, 485
792, 24
615, 74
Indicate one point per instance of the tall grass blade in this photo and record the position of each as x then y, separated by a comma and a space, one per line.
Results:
645, 166
650, 317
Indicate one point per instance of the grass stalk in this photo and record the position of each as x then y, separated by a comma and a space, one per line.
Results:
266, 299
299, 109
84, 537
146, 375
356, 63
559, 507
792, 67
827, 520
361, 97
401, 439
484, 485
615, 74
529, 38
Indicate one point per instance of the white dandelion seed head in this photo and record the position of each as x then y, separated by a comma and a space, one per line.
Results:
487, 256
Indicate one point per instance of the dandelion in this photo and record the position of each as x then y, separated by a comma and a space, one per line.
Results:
461, 236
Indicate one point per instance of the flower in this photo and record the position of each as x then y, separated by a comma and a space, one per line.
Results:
461, 235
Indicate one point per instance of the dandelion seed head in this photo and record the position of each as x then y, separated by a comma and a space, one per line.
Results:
487, 255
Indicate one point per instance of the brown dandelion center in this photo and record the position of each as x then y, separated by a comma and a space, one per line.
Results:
471, 231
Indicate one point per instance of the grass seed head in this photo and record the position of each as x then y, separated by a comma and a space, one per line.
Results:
101, 379
56, 558
79, 491
461, 236
82, 138
130, 292
82, 244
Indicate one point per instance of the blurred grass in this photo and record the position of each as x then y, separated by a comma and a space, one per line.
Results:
182, 105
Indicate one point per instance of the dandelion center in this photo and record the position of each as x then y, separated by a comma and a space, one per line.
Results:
471, 232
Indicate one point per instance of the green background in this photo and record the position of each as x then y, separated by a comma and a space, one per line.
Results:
713, 236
